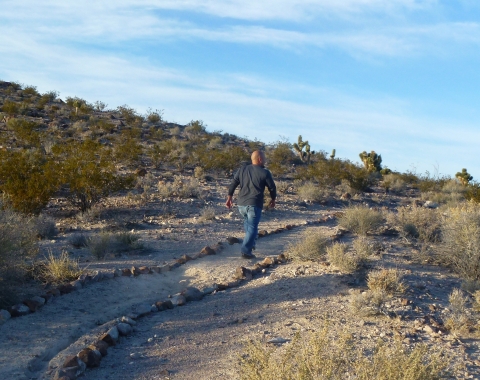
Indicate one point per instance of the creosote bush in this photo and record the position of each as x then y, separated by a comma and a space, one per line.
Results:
360, 219
311, 246
323, 355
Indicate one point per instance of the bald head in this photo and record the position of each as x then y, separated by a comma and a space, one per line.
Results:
258, 158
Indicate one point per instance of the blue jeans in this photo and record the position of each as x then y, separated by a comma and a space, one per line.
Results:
251, 218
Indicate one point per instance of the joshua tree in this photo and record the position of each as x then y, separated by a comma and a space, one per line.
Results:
464, 177
332, 156
372, 161
304, 156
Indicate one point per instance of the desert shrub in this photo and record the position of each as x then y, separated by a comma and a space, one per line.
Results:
79, 105
195, 129
18, 243
360, 219
154, 116
283, 186
59, 269
394, 183
368, 303
457, 319
199, 173
25, 131
208, 213
450, 194
46, 227
186, 188
129, 114
363, 247
387, 280
105, 243
127, 150
472, 192
328, 355
10, 108
30, 91
27, 179
461, 241
417, 222
165, 189
310, 191
311, 246
89, 173
78, 240
280, 158
339, 256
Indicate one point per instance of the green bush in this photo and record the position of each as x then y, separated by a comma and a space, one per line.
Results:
281, 158
25, 131
10, 108
27, 179
18, 243
89, 173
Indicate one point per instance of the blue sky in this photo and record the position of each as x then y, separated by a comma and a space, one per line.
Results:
401, 77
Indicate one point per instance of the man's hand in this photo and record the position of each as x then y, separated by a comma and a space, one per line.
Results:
229, 202
272, 204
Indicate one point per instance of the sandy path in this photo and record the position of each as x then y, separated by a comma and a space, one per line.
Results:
28, 343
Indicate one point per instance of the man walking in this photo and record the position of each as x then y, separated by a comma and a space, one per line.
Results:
252, 180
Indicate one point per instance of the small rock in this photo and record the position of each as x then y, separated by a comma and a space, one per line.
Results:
90, 357
233, 240
242, 273
77, 284
192, 294
143, 309
124, 329
101, 346
118, 272
183, 259
178, 300
33, 305
4, 316
278, 340
164, 305
207, 251
430, 204
108, 274
126, 272
97, 277
128, 320
19, 310
111, 336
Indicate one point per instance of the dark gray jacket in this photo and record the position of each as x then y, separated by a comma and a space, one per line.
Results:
252, 180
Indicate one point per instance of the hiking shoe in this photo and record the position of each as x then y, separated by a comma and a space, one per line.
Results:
248, 256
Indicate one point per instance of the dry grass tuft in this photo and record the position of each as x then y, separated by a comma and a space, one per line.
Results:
461, 241
207, 214
310, 191
417, 223
458, 320
368, 303
58, 270
323, 355
106, 243
387, 280
339, 256
311, 246
360, 220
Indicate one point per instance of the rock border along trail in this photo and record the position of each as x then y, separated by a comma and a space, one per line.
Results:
74, 328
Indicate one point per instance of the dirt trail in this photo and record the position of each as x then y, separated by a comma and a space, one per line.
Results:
28, 343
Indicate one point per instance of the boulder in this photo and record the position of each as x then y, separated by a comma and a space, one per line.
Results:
124, 329
192, 294
164, 305
90, 357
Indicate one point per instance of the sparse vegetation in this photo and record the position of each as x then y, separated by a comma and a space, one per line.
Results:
310, 191
311, 246
57, 270
386, 280
340, 257
323, 355
360, 219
